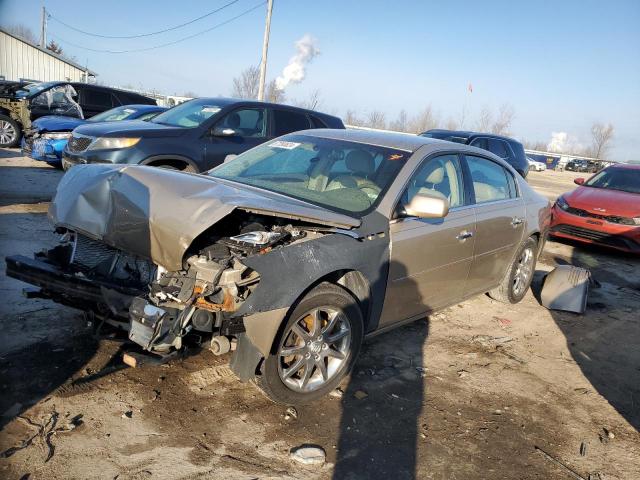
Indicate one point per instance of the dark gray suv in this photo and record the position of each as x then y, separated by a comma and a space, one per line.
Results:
194, 136
510, 150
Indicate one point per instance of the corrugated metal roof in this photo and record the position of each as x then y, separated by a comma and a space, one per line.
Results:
49, 52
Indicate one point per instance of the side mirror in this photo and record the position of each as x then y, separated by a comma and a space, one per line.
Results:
578, 181
224, 132
427, 206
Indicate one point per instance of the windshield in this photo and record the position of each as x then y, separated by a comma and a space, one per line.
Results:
113, 115
623, 179
34, 88
189, 114
346, 177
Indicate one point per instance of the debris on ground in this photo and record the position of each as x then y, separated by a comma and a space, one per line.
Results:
308, 454
583, 449
291, 413
337, 393
570, 471
360, 394
503, 322
489, 341
127, 414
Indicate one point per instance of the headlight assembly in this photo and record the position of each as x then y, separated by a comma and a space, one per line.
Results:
108, 143
562, 203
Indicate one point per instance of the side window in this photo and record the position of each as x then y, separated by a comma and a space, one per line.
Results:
316, 122
97, 98
247, 122
440, 175
490, 181
287, 122
480, 143
499, 147
148, 116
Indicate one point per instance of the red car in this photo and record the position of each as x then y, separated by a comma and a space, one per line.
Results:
605, 209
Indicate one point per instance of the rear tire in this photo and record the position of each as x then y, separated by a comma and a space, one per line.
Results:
10, 132
517, 279
338, 317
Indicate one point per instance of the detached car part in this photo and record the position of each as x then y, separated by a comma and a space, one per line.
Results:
566, 288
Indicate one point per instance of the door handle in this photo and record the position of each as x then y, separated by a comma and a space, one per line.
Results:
515, 221
462, 236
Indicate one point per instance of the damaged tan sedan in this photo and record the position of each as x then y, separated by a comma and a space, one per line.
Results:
291, 254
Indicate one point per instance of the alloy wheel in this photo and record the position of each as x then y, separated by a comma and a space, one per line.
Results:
314, 349
524, 270
7, 133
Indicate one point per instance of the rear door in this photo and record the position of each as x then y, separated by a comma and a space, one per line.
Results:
251, 128
430, 258
500, 215
287, 121
95, 100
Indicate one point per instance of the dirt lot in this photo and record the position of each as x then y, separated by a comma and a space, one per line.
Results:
477, 391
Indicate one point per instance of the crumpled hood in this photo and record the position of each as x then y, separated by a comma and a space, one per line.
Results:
56, 123
157, 213
605, 201
129, 128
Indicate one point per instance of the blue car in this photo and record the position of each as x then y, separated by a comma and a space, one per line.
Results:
48, 135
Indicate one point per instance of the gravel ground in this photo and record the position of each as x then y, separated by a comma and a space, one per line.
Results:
477, 391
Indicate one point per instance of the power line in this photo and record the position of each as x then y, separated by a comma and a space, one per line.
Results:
53, 17
168, 43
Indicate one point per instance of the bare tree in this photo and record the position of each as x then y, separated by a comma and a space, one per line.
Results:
400, 124
190, 94
352, 118
22, 31
274, 94
423, 121
452, 124
246, 85
312, 102
502, 124
376, 119
537, 145
484, 120
602, 135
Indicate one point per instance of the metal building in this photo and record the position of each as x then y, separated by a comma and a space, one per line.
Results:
21, 60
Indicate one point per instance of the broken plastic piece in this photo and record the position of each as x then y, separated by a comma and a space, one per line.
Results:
566, 288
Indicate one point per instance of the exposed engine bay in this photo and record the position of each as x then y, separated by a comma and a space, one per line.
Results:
162, 308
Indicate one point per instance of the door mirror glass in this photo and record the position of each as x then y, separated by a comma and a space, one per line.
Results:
224, 132
578, 181
427, 205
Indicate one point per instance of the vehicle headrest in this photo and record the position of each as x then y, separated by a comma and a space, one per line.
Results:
436, 175
359, 161
233, 120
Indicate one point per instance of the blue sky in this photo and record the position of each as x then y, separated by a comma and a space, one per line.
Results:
561, 64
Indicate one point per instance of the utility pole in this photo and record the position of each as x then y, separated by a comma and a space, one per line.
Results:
43, 28
265, 50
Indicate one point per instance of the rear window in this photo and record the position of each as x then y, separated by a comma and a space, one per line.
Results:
288, 122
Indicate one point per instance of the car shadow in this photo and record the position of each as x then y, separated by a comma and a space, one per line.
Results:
605, 341
382, 404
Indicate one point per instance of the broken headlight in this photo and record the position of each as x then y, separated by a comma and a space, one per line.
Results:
257, 238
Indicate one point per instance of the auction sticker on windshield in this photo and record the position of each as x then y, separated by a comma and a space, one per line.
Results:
283, 144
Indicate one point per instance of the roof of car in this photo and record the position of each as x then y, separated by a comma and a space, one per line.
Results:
224, 101
467, 133
629, 166
400, 141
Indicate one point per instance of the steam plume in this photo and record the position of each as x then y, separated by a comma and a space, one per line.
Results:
295, 71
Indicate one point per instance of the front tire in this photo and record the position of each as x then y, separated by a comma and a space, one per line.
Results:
316, 348
10, 132
517, 279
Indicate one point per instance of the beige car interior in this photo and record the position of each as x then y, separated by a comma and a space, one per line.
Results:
437, 178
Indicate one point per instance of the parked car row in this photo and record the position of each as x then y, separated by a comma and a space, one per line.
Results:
21, 103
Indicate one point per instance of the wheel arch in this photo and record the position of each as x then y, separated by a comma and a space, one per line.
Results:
178, 160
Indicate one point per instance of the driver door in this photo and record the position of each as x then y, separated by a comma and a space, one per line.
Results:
245, 128
430, 258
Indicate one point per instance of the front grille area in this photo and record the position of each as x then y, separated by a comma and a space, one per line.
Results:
96, 258
79, 144
608, 218
596, 236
